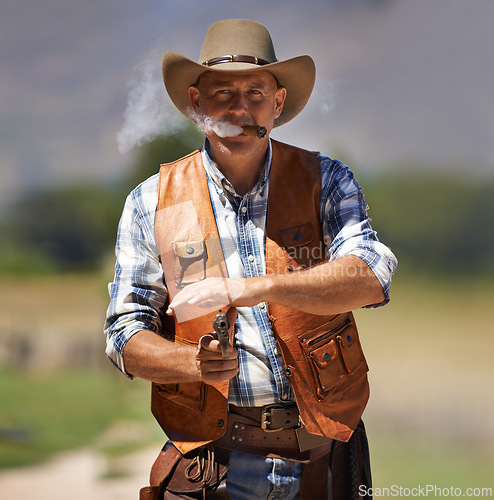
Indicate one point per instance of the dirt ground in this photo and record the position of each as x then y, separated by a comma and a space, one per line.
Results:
79, 475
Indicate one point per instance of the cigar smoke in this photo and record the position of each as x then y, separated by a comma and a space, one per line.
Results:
223, 128
323, 99
208, 124
149, 113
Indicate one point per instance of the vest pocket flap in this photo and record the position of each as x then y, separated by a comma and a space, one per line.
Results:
298, 235
324, 354
189, 249
351, 352
347, 339
189, 262
327, 368
189, 395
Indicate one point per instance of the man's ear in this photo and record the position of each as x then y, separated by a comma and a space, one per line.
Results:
279, 100
194, 98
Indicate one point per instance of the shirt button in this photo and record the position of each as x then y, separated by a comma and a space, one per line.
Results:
262, 305
251, 258
244, 210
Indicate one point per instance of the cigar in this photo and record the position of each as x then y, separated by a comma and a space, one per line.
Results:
255, 130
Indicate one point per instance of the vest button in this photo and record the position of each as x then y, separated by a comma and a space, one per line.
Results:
220, 422
288, 371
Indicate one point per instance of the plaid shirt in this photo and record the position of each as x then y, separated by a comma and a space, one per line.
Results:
138, 292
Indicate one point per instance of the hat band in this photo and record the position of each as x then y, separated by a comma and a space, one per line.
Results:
235, 58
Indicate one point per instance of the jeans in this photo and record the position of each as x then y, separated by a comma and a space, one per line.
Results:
257, 478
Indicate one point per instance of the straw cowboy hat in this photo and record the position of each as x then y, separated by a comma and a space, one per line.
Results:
239, 45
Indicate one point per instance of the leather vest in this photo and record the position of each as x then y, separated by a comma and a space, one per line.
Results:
322, 354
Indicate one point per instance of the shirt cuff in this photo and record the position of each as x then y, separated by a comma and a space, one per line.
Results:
116, 344
382, 262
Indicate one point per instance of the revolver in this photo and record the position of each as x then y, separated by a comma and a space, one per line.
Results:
221, 325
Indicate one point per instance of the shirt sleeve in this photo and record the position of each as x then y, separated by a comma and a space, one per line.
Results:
137, 293
346, 226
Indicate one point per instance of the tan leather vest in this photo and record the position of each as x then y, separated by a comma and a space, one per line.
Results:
322, 354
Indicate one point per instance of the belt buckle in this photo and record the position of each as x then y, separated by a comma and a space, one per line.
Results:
265, 417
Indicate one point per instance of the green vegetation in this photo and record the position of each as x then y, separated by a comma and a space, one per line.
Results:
64, 229
439, 224
43, 414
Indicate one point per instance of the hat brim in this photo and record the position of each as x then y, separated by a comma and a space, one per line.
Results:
297, 75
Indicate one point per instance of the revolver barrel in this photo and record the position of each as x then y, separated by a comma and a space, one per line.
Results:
221, 325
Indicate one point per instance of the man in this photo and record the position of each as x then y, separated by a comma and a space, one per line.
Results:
277, 237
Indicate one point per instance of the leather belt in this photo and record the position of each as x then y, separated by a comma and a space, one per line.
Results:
271, 418
268, 431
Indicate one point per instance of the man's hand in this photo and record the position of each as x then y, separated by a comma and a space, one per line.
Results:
212, 294
209, 361
212, 367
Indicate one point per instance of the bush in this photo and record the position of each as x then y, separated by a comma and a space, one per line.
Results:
435, 224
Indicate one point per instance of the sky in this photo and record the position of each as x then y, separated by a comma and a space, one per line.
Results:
400, 84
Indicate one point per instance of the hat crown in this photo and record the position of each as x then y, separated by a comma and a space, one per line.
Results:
237, 37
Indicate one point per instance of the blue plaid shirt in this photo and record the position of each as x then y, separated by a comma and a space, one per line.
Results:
138, 292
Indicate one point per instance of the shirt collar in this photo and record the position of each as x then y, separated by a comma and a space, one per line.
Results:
224, 185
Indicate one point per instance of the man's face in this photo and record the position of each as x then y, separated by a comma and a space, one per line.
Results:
241, 98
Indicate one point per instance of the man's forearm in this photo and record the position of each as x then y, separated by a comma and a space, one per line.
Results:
154, 358
334, 287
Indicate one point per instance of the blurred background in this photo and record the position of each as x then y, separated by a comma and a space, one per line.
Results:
403, 96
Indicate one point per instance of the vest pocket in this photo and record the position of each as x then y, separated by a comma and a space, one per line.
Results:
189, 395
189, 262
333, 353
299, 247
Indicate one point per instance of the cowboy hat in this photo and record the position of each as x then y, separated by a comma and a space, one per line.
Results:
239, 45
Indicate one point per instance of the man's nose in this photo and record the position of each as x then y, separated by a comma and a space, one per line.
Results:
238, 102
